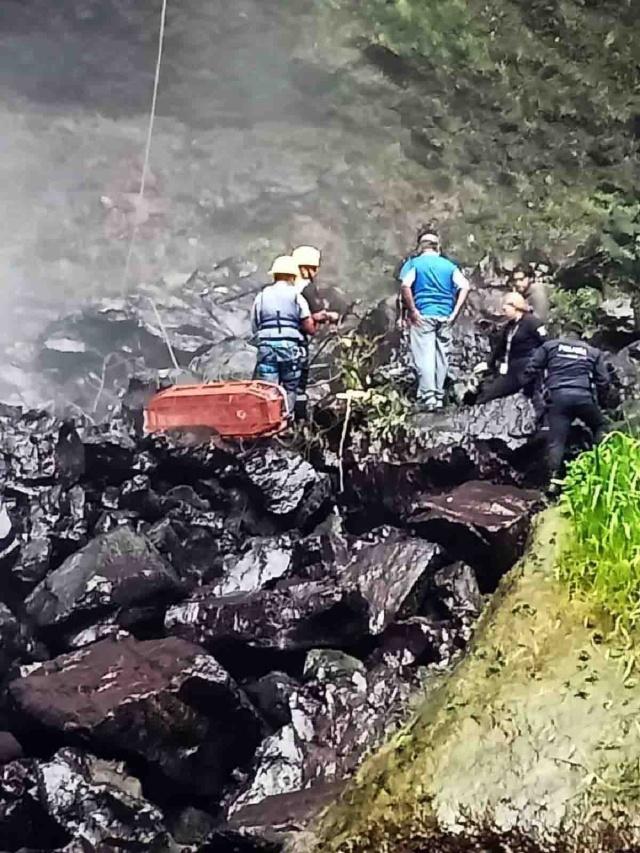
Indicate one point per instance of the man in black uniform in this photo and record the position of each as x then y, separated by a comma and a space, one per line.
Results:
576, 378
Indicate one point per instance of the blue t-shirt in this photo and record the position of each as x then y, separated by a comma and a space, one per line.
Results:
434, 291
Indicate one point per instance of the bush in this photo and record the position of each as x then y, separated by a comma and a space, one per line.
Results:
602, 557
575, 306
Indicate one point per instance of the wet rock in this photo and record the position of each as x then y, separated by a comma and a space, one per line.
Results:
231, 359
266, 560
481, 523
281, 816
163, 701
10, 749
24, 823
392, 576
39, 448
114, 573
97, 803
457, 591
285, 481
414, 642
320, 555
617, 324
296, 616
271, 694
109, 452
493, 441
339, 712
30, 568
16, 642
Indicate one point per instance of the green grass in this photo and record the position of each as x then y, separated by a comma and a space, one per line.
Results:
601, 559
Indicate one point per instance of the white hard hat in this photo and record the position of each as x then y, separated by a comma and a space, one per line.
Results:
306, 256
284, 265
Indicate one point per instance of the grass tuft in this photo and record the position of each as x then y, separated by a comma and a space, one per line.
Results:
601, 559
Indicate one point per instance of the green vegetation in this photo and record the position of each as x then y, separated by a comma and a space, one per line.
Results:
601, 557
383, 409
621, 243
529, 744
521, 111
578, 306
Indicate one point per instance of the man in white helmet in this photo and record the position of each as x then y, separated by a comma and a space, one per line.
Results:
281, 321
308, 259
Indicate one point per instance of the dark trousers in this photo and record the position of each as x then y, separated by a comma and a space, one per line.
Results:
564, 408
510, 383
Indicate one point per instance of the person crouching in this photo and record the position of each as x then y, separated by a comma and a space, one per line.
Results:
280, 321
522, 335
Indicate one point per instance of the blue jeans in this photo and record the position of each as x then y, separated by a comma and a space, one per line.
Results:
282, 362
430, 344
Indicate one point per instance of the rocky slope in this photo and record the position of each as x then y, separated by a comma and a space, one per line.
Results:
191, 630
528, 745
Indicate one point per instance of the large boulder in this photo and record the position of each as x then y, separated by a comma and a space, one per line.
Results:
493, 441
97, 803
392, 576
265, 560
24, 822
338, 713
17, 644
528, 744
163, 701
484, 524
296, 616
118, 573
287, 483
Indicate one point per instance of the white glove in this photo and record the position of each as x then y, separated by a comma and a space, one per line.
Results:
483, 367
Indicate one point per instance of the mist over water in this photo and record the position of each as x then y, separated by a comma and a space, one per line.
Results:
262, 141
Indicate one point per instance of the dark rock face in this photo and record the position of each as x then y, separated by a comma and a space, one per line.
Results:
10, 749
164, 701
294, 617
96, 803
265, 561
233, 628
284, 481
493, 441
113, 574
17, 644
392, 577
336, 715
484, 523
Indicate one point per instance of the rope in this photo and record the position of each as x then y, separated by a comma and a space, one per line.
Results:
165, 335
147, 150
343, 439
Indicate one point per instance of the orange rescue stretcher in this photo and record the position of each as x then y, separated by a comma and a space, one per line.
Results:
234, 409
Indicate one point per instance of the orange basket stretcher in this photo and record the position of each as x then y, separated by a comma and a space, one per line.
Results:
235, 409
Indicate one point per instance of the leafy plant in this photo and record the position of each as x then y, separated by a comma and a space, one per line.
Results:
577, 306
621, 240
385, 409
602, 557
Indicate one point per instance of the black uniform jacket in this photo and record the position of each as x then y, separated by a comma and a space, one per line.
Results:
527, 338
570, 365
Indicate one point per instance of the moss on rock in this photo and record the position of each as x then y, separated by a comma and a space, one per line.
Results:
523, 112
533, 741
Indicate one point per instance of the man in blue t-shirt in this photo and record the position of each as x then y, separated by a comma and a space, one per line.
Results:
434, 291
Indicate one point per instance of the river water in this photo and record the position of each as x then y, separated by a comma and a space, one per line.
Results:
271, 131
